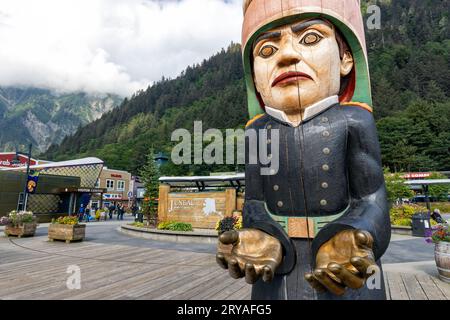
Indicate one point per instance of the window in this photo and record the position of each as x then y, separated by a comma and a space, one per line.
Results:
120, 185
110, 184
97, 183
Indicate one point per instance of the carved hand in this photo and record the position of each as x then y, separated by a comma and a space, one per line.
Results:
254, 254
343, 261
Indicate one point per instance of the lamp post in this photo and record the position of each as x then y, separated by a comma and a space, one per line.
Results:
25, 191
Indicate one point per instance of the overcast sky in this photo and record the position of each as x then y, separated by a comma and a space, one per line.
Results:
109, 46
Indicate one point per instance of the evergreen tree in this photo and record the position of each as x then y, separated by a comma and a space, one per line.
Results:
150, 176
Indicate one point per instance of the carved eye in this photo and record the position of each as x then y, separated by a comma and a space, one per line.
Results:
267, 51
311, 39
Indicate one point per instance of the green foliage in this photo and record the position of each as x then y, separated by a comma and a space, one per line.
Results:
150, 176
444, 207
137, 224
402, 215
70, 220
175, 226
439, 191
229, 223
396, 188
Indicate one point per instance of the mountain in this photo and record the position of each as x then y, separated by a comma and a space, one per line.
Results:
40, 117
409, 61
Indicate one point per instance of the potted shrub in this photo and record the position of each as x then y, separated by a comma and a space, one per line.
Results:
19, 223
441, 237
228, 224
67, 229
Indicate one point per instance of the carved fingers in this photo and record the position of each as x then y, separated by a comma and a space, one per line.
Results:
345, 261
249, 254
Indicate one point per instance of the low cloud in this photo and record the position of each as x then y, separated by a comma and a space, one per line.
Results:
109, 46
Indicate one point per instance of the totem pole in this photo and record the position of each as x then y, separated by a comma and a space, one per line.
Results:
316, 227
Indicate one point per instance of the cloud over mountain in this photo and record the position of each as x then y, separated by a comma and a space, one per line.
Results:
114, 46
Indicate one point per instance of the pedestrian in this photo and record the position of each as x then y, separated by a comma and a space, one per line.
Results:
80, 215
120, 212
111, 211
87, 213
436, 216
134, 211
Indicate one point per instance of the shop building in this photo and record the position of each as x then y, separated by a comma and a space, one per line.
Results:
117, 185
60, 190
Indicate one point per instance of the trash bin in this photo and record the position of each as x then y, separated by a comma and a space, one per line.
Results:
420, 224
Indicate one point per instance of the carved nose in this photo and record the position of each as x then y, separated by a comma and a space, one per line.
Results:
289, 56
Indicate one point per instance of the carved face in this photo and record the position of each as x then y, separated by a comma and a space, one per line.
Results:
299, 64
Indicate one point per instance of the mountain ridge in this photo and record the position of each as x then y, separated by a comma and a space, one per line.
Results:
42, 117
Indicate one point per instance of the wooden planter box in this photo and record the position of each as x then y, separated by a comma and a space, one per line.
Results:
24, 230
66, 232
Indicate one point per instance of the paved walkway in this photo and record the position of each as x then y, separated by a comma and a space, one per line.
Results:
115, 266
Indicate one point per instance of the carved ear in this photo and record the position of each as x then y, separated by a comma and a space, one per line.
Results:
347, 63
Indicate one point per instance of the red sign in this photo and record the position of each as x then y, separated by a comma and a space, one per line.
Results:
8, 160
116, 175
416, 175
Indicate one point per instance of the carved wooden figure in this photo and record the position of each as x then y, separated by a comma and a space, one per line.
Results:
316, 227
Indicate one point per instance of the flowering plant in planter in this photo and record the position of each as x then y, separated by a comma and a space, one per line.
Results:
439, 233
66, 228
19, 223
70, 220
228, 224
17, 218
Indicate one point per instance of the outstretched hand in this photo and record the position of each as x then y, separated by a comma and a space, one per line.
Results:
254, 254
343, 261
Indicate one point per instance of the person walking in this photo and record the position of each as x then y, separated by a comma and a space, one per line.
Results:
111, 211
87, 213
120, 212
80, 215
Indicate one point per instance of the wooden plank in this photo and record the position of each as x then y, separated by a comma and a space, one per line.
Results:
429, 287
204, 283
386, 286
396, 286
229, 290
163, 203
242, 294
443, 287
415, 291
223, 282
230, 201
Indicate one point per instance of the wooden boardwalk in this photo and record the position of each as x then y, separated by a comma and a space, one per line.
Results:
33, 268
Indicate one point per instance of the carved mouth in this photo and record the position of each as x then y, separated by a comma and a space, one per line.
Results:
289, 77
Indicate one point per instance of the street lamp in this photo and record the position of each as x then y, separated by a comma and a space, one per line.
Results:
25, 191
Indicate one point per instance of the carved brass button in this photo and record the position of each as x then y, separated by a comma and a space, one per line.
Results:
326, 134
280, 204
276, 187
269, 126
326, 151
324, 185
269, 141
323, 202
325, 167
